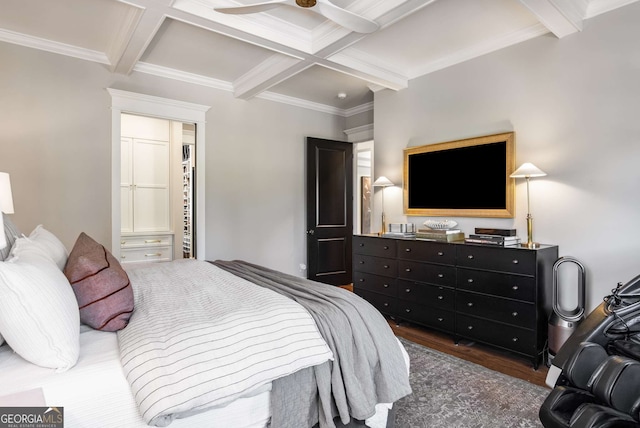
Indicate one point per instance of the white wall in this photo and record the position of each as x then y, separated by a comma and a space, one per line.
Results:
56, 144
574, 105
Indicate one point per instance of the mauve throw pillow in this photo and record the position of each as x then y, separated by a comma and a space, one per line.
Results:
102, 287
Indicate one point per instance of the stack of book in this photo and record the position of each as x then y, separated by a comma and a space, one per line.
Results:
497, 237
444, 235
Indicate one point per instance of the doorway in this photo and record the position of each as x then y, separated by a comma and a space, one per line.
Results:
163, 108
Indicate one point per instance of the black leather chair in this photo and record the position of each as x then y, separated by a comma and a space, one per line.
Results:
599, 384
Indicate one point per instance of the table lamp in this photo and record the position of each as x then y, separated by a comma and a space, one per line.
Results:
528, 170
383, 182
6, 204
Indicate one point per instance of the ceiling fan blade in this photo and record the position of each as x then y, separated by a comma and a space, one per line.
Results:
346, 18
254, 8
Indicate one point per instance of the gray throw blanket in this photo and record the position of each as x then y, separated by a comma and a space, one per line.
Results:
368, 367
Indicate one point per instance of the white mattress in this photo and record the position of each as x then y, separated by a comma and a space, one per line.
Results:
95, 392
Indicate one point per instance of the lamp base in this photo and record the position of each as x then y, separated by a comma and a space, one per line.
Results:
530, 245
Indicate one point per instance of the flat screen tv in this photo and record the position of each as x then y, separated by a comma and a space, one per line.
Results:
464, 178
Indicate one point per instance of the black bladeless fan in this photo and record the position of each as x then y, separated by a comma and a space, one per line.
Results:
562, 323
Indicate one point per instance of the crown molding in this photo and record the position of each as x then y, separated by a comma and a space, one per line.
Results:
359, 109
53, 47
370, 68
360, 133
598, 7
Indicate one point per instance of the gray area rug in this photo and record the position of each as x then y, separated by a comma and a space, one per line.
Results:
454, 393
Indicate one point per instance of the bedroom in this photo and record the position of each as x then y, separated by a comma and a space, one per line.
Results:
572, 102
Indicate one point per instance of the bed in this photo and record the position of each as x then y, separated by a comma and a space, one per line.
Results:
183, 354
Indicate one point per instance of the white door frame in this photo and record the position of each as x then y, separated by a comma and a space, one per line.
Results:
164, 108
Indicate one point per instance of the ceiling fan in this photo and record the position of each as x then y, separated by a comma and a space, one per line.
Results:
325, 8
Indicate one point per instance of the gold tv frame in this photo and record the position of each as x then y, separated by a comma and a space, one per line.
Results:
507, 212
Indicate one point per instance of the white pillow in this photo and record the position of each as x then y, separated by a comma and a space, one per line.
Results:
47, 242
39, 315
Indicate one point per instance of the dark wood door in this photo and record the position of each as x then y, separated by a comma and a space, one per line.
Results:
329, 210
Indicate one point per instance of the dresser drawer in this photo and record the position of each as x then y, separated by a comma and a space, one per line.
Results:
507, 311
145, 241
426, 315
373, 246
375, 265
513, 260
498, 284
432, 252
426, 272
505, 336
430, 295
375, 283
149, 254
385, 304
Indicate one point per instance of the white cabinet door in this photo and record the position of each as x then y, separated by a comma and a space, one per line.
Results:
151, 202
126, 186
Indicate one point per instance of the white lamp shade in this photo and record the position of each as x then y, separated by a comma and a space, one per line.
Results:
382, 181
6, 199
528, 170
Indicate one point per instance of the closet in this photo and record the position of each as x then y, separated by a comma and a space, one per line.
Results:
154, 189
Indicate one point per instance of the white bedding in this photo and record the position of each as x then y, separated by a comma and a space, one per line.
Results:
95, 392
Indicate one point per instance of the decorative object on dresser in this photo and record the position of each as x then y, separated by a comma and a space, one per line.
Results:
500, 296
6, 204
499, 240
383, 182
528, 170
443, 235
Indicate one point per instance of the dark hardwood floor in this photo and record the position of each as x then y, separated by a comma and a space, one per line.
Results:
494, 359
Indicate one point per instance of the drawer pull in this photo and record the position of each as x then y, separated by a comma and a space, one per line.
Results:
515, 261
361, 262
440, 253
385, 285
123, 242
408, 290
153, 255
386, 266
440, 319
407, 270
515, 339
469, 327
514, 288
440, 275
408, 250
470, 280
515, 314
361, 244
470, 304
440, 297
386, 247
385, 304
470, 256
152, 241
407, 310
361, 280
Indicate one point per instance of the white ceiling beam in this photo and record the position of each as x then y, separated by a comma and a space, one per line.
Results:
140, 34
267, 74
561, 17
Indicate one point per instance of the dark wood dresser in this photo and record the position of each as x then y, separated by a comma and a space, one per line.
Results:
501, 296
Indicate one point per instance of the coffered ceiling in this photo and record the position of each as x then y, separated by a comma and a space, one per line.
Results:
288, 54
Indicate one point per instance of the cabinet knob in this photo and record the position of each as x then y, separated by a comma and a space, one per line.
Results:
386, 247
386, 266
361, 280
470, 256
440, 319
515, 339
440, 297
361, 262
385, 304
440, 253
440, 275
515, 314
470, 280
361, 244
470, 304
469, 327
408, 290
514, 288
407, 310
407, 270
515, 261
385, 285
408, 250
